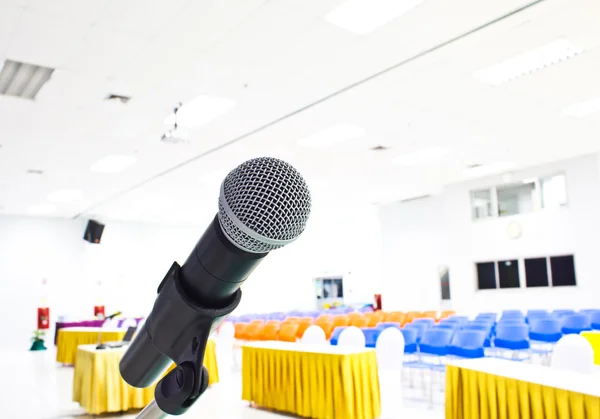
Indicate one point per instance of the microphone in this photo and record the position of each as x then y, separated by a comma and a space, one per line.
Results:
112, 316
264, 204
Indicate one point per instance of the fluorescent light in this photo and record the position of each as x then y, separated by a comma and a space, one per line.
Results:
364, 16
585, 108
113, 164
528, 62
41, 209
332, 135
200, 111
424, 156
65, 196
489, 169
529, 180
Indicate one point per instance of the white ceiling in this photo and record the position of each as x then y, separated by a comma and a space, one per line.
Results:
292, 73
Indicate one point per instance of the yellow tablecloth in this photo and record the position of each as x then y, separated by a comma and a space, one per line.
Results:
311, 382
70, 338
99, 388
472, 394
594, 338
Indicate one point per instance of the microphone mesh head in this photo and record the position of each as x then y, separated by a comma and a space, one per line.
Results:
264, 204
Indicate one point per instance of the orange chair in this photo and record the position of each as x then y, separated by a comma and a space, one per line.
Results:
340, 320
375, 318
447, 313
359, 322
327, 327
254, 331
291, 320
410, 316
269, 331
257, 321
288, 332
327, 317
303, 324
431, 314
395, 317
277, 322
240, 330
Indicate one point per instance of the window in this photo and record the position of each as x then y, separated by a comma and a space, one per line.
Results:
536, 272
529, 195
481, 204
516, 199
486, 275
563, 270
554, 191
508, 271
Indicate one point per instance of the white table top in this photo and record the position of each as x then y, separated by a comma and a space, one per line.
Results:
300, 347
92, 348
537, 374
92, 329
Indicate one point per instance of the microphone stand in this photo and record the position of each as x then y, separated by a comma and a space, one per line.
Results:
181, 387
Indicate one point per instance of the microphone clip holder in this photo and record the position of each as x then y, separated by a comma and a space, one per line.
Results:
179, 331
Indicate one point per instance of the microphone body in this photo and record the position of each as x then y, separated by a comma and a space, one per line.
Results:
263, 205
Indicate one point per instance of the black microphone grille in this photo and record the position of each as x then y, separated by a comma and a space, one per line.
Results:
264, 204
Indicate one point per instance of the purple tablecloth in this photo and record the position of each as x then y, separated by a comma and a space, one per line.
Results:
85, 323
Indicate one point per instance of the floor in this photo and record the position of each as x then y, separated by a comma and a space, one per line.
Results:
33, 386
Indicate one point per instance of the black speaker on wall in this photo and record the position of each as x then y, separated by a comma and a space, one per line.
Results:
93, 232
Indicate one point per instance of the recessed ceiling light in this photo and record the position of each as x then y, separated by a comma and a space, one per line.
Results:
364, 16
424, 156
332, 135
113, 164
65, 195
200, 111
23, 80
41, 209
528, 62
489, 169
585, 108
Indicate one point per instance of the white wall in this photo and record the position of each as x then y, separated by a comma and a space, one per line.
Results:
133, 258
420, 235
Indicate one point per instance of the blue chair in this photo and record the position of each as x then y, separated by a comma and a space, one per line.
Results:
562, 313
435, 342
543, 335
336, 335
385, 325
410, 340
447, 325
468, 344
595, 320
514, 338
576, 323
419, 327
427, 321
487, 315
482, 327
512, 312
537, 313
459, 319
371, 335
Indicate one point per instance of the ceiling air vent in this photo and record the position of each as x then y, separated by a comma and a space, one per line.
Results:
23, 80
117, 98
379, 148
415, 198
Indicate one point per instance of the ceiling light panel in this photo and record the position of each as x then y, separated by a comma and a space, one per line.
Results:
424, 156
364, 16
65, 196
331, 136
489, 169
23, 80
200, 111
585, 108
113, 164
528, 62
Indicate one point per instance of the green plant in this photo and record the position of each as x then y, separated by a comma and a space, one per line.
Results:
38, 335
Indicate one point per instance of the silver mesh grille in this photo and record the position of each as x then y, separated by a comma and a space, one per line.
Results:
264, 204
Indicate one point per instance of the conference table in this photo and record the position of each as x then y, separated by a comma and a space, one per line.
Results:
316, 381
69, 339
84, 323
494, 388
99, 388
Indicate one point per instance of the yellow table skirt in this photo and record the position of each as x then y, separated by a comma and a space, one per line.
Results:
68, 340
472, 394
99, 388
315, 385
594, 339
